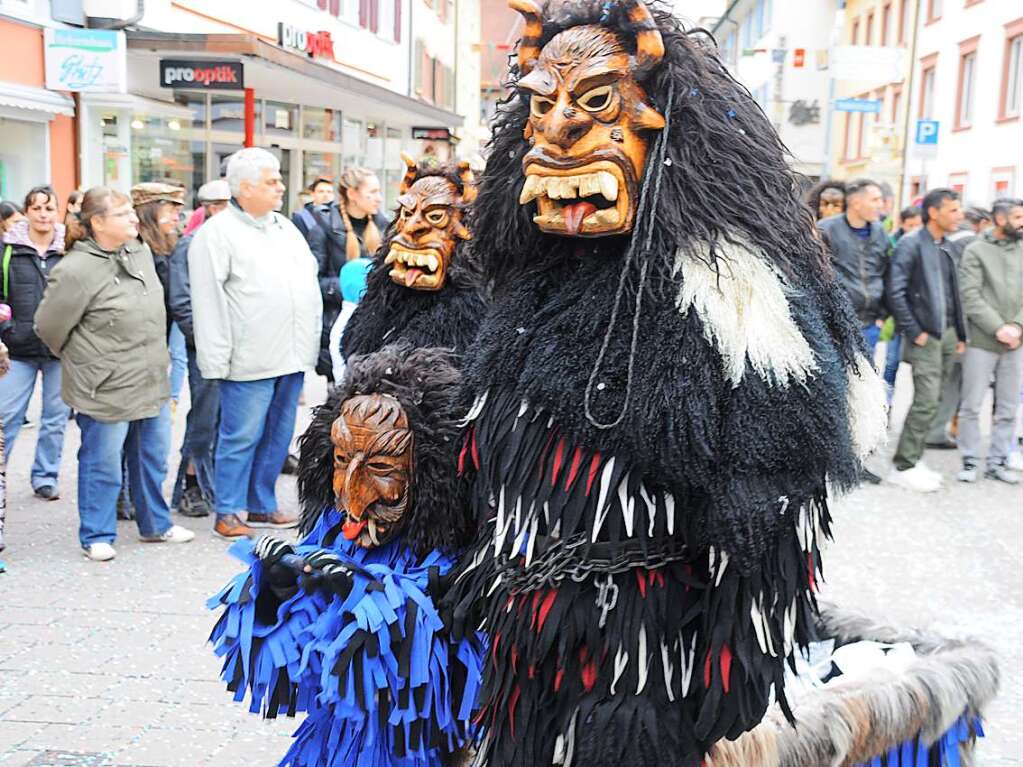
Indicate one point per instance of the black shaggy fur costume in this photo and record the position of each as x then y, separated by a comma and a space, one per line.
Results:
389, 313
426, 383
650, 518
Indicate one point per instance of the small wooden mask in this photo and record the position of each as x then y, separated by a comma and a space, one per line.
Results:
429, 227
589, 122
372, 468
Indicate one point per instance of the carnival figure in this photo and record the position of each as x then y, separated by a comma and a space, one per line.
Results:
343, 625
421, 289
666, 384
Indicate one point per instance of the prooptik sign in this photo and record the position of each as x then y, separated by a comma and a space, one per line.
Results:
202, 74
314, 44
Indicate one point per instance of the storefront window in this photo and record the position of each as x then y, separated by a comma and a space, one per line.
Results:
22, 157
160, 152
352, 144
319, 165
281, 119
195, 102
321, 124
228, 113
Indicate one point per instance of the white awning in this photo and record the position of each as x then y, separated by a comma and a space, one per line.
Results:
29, 103
137, 104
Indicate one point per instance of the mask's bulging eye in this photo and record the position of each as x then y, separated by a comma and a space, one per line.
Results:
540, 106
597, 99
436, 217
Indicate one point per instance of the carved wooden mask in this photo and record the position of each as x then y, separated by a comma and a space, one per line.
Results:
589, 122
372, 467
429, 227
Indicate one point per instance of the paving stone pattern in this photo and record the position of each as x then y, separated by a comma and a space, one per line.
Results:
106, 665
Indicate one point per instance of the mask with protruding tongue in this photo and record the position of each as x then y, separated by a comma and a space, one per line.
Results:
574, 215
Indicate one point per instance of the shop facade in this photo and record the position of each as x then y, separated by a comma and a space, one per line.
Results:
37, 132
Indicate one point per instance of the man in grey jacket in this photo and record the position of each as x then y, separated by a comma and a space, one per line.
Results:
991, 277
256, 315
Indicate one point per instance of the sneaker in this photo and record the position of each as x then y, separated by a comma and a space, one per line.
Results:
47, 492
193, 503
174, 534
866, 475
928, 470
278, 519
1001, 473
946, 444
918, 479
969, 473
230, 527
99, 552
1015, 462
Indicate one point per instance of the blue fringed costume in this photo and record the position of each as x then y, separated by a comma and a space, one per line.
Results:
364, 653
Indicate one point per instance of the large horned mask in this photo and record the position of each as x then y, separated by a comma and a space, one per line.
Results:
372, 467
429, 226
589, 123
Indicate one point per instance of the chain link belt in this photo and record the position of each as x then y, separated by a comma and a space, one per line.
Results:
578, 560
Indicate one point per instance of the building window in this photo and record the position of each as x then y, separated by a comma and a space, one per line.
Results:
728, 49
886, 25
347, 10
853, 124
933, 10
869, 29
927, 93
905, 20
957, 182
385, 21
1003, 182
854, 33
966, 88
861, 134
896, 103
760, 21
1012, 78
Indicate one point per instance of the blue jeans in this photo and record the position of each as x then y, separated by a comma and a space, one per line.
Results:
15, 392
893, 357
200, 439
257, 421
145, 444
179, 361
872, 334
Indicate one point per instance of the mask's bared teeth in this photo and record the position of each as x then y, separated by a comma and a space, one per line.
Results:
589, 185
532, 189
608, 185
432, 263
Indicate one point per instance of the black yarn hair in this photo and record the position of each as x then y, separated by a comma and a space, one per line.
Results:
813, 194
389, 312
726, 174
935, 199
426, 384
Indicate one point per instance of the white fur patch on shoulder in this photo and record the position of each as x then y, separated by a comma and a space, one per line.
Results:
868, 408
745, 314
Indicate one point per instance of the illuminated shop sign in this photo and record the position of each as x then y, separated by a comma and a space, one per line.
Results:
317, 45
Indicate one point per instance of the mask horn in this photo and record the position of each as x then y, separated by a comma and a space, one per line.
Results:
529, 45
411, 169
468, 182
649, 45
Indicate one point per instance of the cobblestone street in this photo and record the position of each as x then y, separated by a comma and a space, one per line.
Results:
106, 664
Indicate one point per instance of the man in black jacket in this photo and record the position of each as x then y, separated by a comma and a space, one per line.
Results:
859, 250
923, 293
193, 489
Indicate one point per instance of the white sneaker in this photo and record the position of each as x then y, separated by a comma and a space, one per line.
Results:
969, 473
174, 534
918, 479
924, 468
1015, 462
99, 552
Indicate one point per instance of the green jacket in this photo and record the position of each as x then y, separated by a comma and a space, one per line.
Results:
991, 281
103, 315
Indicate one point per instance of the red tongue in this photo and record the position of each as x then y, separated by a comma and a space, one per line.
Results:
351, 530
411, 275
574, 215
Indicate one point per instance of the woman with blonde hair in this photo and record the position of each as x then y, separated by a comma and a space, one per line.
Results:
356, 231
103, 315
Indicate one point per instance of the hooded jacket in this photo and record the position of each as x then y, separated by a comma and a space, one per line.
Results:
103, 315
26, 274
256, 307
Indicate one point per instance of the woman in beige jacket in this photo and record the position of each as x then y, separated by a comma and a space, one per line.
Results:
103, 315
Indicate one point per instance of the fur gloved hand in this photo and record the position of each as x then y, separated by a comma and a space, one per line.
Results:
329, 572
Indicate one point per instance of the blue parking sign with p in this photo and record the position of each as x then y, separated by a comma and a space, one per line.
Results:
927, 132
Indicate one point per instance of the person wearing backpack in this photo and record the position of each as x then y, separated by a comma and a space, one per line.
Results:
32, 248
